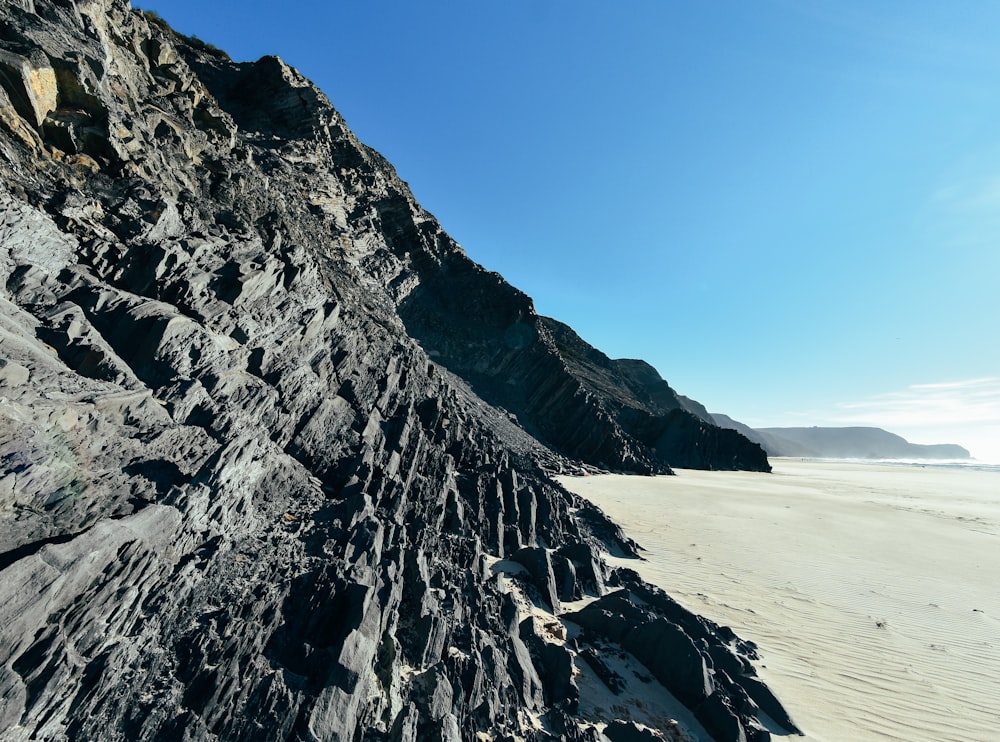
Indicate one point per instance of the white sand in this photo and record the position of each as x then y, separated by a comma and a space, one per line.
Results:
872, 591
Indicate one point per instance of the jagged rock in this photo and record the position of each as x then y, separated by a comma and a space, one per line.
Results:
251, 486
626, 731
614, 681
555, 665
30, 84
766, 700
703, 665
538, 563
587, 570
564, 578
673, 429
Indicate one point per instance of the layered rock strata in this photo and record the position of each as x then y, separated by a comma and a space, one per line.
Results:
616, 414
242, 496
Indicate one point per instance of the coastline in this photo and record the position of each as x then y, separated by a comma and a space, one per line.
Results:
947, 464
869, 588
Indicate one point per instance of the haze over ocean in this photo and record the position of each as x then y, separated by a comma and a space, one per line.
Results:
789, 209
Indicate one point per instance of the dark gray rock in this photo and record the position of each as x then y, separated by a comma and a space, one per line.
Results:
614, 682
538, 563
626, 731
556, 668
587, 569
720, 719
249, 486
686, 653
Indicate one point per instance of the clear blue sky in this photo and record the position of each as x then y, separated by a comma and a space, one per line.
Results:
791, 208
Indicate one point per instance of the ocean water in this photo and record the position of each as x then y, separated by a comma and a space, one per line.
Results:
945, 464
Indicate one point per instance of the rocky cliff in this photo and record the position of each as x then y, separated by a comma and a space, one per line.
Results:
251, 487
616, 414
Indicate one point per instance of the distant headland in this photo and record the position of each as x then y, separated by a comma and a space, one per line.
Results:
841, 443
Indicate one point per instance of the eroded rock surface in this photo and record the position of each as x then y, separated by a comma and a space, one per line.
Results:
247, 489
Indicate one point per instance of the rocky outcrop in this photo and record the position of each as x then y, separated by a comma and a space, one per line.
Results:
238, 500
690, 656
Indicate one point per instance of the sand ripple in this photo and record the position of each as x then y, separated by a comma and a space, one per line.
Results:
870, 590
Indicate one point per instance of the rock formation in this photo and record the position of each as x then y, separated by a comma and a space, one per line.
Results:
251, 483
841, 443
617, 414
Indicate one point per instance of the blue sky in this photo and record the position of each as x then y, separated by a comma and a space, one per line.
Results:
791, 208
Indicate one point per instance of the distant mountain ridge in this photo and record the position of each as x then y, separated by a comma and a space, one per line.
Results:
840, 443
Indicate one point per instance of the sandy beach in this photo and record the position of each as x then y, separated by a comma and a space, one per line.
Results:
870, 590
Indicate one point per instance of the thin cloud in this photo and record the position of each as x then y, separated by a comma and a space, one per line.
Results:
987, 382
940, 404
894, 34
974, 195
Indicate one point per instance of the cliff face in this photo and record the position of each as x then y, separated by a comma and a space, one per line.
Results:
673, 428
617, 414
243, 492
